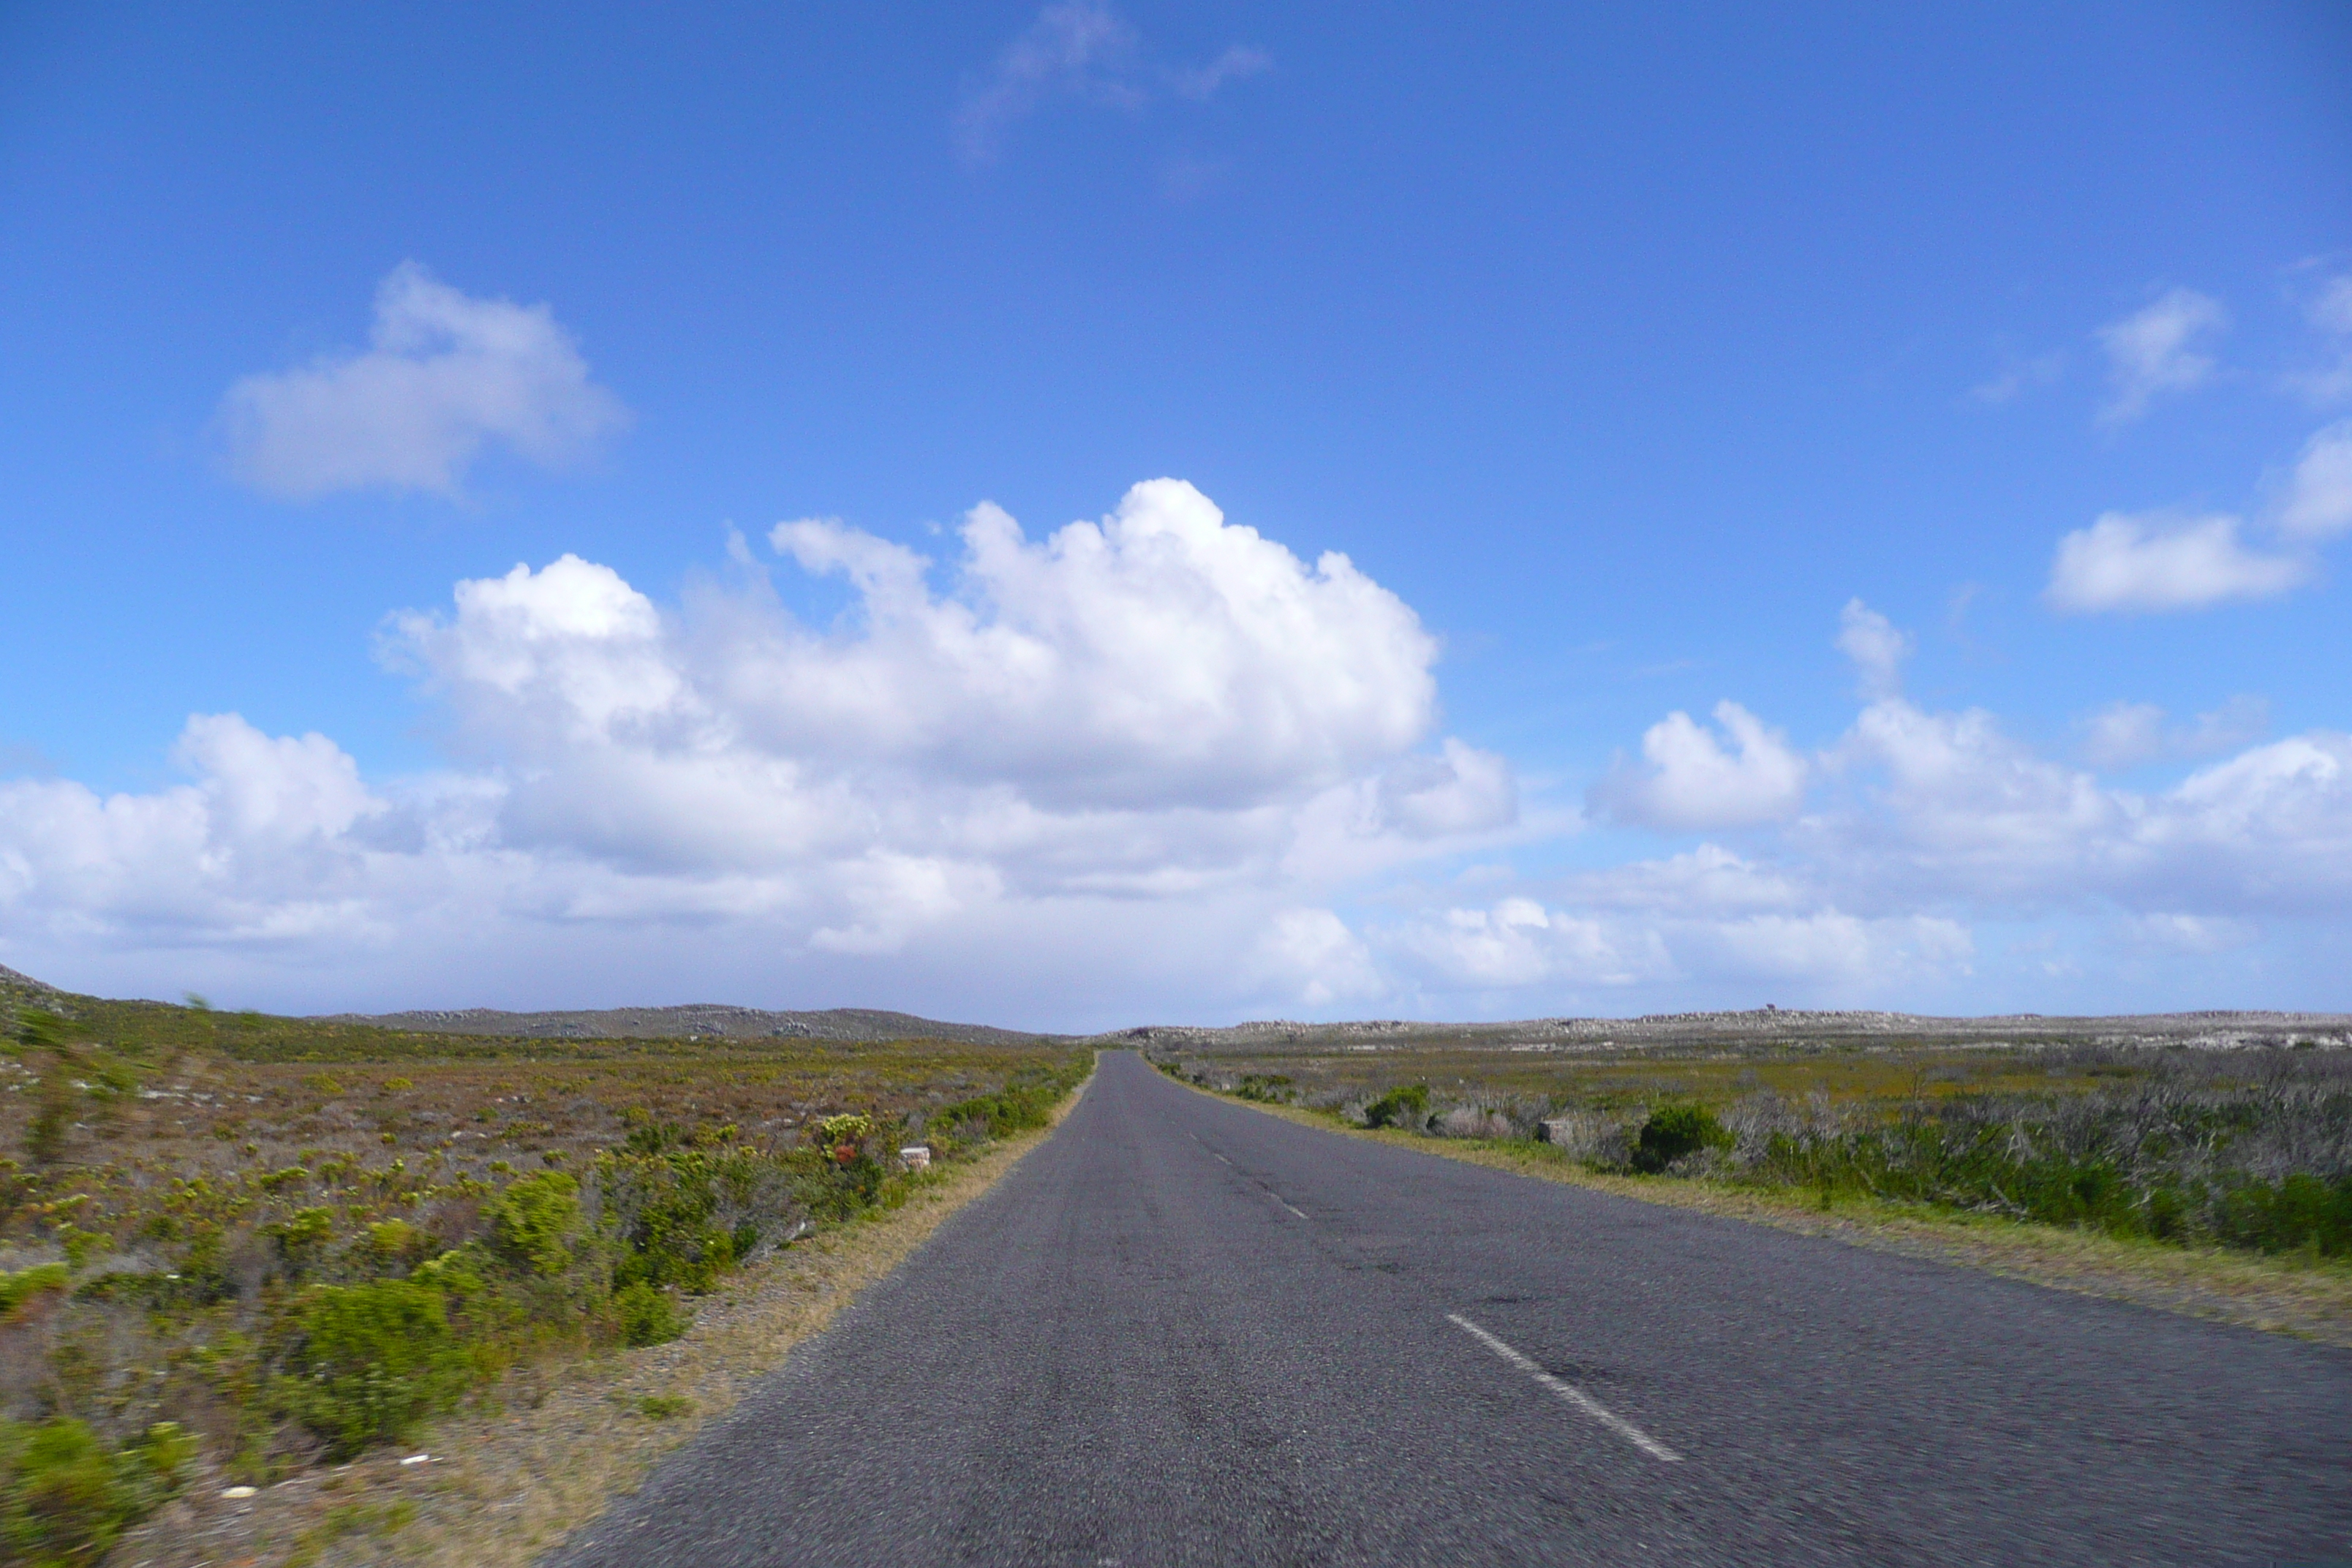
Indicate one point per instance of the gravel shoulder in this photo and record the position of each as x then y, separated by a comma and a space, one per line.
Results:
500, 1489
2307, 1298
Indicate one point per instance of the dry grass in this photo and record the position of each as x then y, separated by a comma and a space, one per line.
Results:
2311, 1299
212, 1144
503, 1490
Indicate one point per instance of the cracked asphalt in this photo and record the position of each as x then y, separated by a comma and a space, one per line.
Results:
1181, 1332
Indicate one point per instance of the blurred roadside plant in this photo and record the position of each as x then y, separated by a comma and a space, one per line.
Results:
69, 1073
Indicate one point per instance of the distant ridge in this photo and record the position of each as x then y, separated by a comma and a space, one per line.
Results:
2212, 1028
704, 1020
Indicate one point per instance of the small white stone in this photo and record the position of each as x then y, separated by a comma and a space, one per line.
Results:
417, 1460
238, 1493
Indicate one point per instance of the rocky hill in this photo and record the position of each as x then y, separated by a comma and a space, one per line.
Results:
1759, 1026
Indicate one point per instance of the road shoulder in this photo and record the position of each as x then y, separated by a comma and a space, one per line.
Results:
2306, 1298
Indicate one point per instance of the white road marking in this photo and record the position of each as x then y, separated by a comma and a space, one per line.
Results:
1568, 1391
1286, 1203
1215, 1155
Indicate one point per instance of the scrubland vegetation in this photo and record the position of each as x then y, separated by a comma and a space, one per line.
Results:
2242, 1148
233, 1246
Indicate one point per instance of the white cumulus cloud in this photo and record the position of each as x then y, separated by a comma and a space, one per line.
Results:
1136, 749
445, 376
1460, 790
1150, 764
1518, 943
1693, 779
1876, 647
2158, 350
1311, 956
2124, 562
2318, 503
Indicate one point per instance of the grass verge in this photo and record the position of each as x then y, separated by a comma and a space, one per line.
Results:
2308, 1298
500, 1490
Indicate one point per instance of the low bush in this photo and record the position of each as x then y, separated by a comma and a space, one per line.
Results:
2300, 1213
685, 1217
1025, 1103
1674, 1132
1273, 1089
1402, 1107
299, 1264
536, 1220
19, 1289
369, 1361
65, 1495
646, 1315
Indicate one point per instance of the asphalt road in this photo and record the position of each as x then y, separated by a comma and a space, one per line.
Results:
1185, 1331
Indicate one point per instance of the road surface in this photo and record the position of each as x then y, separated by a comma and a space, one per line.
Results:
1183, 1332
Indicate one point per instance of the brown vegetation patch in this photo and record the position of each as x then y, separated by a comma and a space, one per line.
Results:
501, 1490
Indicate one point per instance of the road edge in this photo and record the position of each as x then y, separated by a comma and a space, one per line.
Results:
2304, 1300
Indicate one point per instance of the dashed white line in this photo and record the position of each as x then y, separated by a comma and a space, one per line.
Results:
1277, 1197
1568, 1391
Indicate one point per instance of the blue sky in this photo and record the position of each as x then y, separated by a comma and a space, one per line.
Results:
1961, 395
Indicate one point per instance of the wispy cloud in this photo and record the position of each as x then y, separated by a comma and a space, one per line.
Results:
2157, 350
2330, 313
1084, 51
444, 376
1237, 62
2020, 376
1079, 48
2126, 734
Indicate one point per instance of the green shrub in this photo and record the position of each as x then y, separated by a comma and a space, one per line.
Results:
370, 1361
1025, 1102
395, 1241
2302, 1213
685, 1216
848, 1130
536, 1220
19, 1288
303, 1238
1400, 1107
646, 1315
64, 1497
667, 1210
1674, 1132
